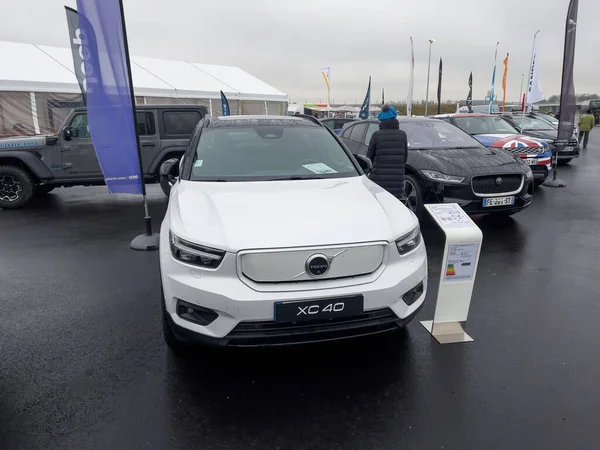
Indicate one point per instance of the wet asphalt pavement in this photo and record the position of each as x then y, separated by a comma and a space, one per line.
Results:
83, 364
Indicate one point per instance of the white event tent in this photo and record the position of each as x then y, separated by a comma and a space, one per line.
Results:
38, 87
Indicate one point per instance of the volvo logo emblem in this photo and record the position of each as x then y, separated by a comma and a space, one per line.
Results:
317, 265
498, 181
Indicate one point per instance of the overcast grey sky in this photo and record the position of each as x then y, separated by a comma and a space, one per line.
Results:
287, 42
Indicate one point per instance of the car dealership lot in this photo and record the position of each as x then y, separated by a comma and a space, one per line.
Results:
83, 363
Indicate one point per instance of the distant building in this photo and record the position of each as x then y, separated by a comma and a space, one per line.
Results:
38, 87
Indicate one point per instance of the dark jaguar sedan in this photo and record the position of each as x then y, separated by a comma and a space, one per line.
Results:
446, 165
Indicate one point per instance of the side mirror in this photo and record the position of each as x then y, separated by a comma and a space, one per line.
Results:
365, 163
169, 171
68, 133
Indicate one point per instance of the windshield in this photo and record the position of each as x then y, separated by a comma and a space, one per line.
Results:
269, 153
533, 123
436, 134
484, 125
594, 104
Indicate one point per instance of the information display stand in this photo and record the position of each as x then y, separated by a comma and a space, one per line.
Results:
459, 267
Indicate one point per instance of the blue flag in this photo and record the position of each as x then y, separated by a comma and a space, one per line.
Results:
109, 94
225, 105
364, 109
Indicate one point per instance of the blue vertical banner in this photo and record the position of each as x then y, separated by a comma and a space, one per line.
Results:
491, 108
225, 105
364, 109
109, 94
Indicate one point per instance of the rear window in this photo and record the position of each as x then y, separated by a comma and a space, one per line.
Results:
180, 123
269, 153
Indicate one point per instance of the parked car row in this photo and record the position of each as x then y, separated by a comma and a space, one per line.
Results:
445, 164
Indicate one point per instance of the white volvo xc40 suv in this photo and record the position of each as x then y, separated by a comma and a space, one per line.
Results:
274, 235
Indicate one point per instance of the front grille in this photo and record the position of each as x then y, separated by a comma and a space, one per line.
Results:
251, 334
525, 150
572, 143
496, 184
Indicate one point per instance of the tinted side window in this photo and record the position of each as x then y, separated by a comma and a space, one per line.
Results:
357, 132
346, 132
79, 125
180, 123
145, 124
373, 127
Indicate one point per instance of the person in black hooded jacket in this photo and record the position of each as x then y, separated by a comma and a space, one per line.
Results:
388, 150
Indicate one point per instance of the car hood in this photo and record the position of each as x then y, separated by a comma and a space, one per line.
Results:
542, 134
234, 216
22, 142
509, 141
468, 162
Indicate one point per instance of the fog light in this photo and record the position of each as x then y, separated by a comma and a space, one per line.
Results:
413, 295
195, 314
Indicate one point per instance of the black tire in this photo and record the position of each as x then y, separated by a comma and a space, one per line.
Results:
43, 190
16, 187
413, 192
564, 162
538, 183
176, 345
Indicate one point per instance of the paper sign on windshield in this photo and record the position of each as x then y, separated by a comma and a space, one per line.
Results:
319, 168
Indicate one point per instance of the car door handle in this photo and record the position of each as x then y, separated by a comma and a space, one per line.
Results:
65, 149
148, 144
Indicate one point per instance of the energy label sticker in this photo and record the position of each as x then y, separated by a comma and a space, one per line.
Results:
460, 265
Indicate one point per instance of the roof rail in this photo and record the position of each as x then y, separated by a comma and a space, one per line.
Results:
311, 118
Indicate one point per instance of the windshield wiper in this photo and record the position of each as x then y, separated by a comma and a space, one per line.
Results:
296, 177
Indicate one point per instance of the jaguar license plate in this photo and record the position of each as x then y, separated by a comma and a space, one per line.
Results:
322, 309
531, 161
498, 201
569, 149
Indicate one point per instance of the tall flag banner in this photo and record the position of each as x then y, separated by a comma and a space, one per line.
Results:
504, 82
411, 83
491, 109
534, 88
364, 109
225, 105
439, 90
470, 94
568, 100
109, 92
326, 72
382, 97
79, 62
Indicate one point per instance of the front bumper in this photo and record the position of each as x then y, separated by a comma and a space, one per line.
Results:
473, 204
570, 154
246, 315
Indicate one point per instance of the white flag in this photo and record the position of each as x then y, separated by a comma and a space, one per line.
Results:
409, 99
534, 88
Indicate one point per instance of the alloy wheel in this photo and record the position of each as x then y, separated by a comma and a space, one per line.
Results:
10, 188
410, 194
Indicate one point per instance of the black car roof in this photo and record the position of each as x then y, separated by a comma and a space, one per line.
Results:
147, 107
252, 121
402, 119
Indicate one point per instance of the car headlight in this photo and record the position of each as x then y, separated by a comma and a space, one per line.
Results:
409, 241
529, 174
195, 254
442, 177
